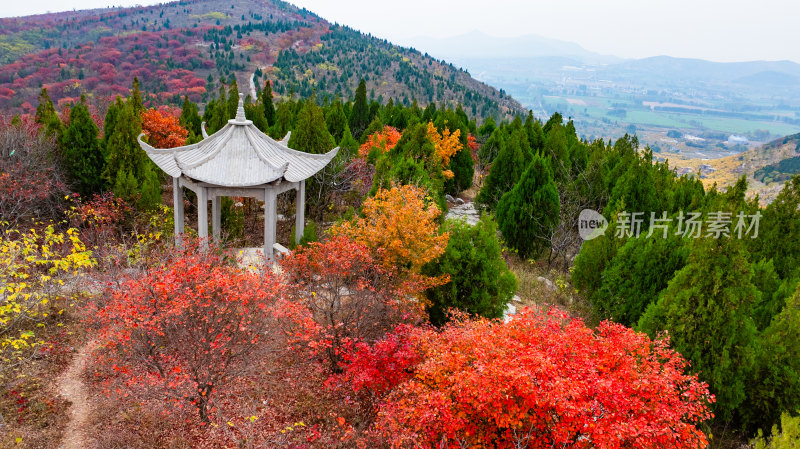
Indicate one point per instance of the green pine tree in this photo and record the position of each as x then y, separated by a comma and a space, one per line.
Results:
190, 118
506, 170
359, 116
311, 134
707, 310
555, 147
480, 283
47, 117
267, 103
529, 212
83, 158
336, 120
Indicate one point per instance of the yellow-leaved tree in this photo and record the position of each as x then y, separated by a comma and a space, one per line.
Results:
446, 145
399, 226
31, 267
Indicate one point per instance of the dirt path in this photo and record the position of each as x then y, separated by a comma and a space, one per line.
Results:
71, 387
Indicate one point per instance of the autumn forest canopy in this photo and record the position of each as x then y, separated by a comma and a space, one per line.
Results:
441, 295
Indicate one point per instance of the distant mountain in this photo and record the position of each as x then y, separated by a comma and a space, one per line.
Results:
189, 47
477, 45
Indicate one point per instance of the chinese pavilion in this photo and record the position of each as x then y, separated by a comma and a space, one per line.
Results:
238, 160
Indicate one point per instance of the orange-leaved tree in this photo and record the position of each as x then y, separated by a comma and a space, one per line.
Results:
163, 130
400, 229
541, 380
446, 145
380, 141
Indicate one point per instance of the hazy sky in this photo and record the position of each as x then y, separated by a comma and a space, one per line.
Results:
720, 30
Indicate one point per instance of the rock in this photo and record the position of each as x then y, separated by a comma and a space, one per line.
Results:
511, 310
466, 212
547, 282
459, 201
449, 198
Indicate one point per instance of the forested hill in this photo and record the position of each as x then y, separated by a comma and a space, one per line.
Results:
190, 47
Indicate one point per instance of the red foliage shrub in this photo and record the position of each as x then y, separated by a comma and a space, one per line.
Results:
351, 297
541, 380
194, 331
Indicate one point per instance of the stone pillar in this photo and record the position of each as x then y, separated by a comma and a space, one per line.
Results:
270, 222
177, 199
300, 215
202, 216
216, 216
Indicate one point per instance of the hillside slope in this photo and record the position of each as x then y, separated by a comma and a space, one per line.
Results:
189, 47
766, 167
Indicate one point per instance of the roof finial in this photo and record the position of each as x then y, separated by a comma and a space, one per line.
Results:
240, 112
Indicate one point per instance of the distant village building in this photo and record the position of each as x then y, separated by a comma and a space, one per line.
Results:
238, 160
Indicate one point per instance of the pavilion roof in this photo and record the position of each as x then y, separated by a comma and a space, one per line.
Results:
238, 155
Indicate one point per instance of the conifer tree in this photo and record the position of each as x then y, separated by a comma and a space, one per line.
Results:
83, 158
555, 119
505, 172
255, 113
359, 116
136, 98
311, 134
491, 148
775, 383
110, 123
47, 117
707, 310
45, 108
348, 145
283, 120
779, 233
555, 146
267, 103
534, 131
336, 120
128, 170
527, 214
190, 119
480, 283
233, 101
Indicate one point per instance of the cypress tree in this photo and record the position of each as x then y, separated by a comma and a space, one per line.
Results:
136, 98
462, 166
336, 120
480, 283
45, 108
267, 103
505, 172
83, 157
707, 310
255, 113
283, 121
359, 116
534, 131
311, 134
47, 117
348, 146
128, 170
190, 118
233, 102
555, 146
779, 234
528, 213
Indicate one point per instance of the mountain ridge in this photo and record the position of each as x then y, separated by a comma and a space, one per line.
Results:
189, 47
